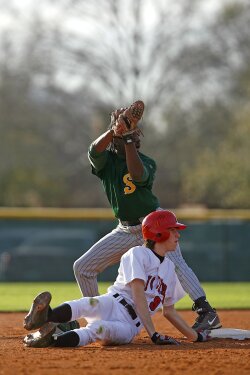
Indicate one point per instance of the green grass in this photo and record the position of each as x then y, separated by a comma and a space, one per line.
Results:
18, 296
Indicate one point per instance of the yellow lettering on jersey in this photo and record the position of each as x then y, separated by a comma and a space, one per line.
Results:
130, 187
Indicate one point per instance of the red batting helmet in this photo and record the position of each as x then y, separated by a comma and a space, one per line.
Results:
155, 225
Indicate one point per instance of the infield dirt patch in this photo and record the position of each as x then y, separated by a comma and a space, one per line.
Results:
217, 357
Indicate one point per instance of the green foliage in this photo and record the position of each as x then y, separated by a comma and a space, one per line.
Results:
221, 176
18, 296
231, 11
31, 186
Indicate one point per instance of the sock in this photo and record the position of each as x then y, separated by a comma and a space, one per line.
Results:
67, 339
61, 314
202, 303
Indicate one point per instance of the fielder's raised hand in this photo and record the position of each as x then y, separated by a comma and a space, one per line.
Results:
114, 116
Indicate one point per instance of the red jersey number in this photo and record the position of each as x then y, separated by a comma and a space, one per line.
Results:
160, 288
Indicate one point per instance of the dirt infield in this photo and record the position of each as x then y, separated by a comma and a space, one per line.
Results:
217, 357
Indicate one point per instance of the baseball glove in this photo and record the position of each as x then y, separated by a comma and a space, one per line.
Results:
126, 119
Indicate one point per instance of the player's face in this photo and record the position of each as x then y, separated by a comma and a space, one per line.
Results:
173, 239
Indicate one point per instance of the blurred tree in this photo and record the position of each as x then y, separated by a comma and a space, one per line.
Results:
221, 177
220, 174
139, 49
44, 130
195, 136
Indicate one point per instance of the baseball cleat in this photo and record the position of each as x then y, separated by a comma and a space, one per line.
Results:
42, 338
38, 313
206, 320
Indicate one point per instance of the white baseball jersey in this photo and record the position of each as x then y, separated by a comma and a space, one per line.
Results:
162, 285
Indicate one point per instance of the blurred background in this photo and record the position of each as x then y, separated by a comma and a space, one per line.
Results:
65, 65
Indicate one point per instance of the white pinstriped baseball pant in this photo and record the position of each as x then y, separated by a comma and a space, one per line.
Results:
108, 251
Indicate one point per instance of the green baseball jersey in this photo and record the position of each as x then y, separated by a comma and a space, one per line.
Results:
129, 199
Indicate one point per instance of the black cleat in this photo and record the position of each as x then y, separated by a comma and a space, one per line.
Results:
42, 338
206, 320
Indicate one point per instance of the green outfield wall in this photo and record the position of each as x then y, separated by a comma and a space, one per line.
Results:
41, 244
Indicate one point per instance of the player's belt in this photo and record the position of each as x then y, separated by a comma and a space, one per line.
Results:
132, 223
128, 307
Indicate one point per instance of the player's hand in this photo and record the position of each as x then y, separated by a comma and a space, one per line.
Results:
114, 116
203, 336
163, 340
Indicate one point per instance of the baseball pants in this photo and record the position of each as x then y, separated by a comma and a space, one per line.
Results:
108, 321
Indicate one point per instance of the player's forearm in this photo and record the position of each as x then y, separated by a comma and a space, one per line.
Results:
141, 306
142, 311
134, 163
102, 142
171, 314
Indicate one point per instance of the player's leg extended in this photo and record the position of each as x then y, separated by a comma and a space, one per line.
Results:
41, 312
94, 309
106, 252
66, 312
41, 315
108, 332
208, 318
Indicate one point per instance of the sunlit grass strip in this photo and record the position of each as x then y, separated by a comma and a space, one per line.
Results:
18, 296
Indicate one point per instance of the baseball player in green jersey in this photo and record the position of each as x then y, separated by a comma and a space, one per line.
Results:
127, 176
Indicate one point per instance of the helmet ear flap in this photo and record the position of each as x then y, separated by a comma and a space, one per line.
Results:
164, 236
161, 236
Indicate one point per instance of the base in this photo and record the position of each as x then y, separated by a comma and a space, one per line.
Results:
230, 333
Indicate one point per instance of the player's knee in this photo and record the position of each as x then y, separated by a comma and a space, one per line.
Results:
83, 270
99, 329
79, 266
76, 267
